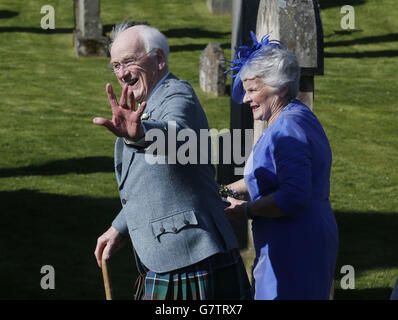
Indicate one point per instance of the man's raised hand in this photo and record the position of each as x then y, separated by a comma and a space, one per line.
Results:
126, 121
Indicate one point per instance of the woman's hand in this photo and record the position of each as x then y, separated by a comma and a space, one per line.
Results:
236, 210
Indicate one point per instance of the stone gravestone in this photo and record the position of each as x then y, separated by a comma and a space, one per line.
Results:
211, 69
88, 37
220, 6
298, 25
244, 16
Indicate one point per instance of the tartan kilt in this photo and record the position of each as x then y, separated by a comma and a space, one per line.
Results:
176, 286
199, 282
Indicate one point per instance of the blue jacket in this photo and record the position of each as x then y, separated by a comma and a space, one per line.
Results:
173, 212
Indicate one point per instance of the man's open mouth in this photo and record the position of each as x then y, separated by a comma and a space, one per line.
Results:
132, 82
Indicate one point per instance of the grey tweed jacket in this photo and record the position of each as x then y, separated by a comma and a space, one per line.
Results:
172, 212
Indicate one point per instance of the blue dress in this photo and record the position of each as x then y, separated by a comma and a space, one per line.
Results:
295, 254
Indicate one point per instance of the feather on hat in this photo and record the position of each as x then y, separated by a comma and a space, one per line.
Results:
243, 55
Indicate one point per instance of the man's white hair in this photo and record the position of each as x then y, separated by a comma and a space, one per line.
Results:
276, 67
152, 37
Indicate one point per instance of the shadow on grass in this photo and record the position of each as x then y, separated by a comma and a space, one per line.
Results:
79, 166
345, 32
390, 37
367, 241
363, 294
326, 4
6, 14
172, 33
195, 47
363, 54
194, 33
105, 28
45, 229
36, 30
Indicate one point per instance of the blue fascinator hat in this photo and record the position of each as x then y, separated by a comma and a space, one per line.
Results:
243, 55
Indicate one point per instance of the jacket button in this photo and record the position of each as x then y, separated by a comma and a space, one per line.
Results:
174, 229
186, 222
162, 230
124, 201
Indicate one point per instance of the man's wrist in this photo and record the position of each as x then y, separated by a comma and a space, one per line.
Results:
140, 143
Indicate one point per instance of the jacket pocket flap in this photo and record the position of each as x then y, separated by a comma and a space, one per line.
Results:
174, 223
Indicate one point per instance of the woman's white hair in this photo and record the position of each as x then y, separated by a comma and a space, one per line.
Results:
152, 37
276, 67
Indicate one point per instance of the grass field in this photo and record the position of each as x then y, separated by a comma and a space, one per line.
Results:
57, 187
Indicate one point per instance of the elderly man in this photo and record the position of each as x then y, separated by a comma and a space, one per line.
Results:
184, 245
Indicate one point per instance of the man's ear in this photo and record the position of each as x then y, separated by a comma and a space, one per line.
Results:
161, 59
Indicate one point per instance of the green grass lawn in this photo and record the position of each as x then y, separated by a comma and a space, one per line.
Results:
356, 101
57, 186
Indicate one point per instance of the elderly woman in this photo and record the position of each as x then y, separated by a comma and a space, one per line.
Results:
287, 179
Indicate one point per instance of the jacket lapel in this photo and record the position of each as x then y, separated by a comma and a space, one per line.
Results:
128, 156
128, 153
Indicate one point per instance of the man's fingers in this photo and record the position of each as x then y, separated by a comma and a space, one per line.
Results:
99, 251
123, 98
141, 108
100, 121
111, 95
104, 122
131, 100
230, 200
107, 250
107, 244
108, 124
105, 253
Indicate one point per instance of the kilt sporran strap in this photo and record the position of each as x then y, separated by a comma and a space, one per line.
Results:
139, 287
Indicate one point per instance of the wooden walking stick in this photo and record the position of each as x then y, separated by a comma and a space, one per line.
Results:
107, 281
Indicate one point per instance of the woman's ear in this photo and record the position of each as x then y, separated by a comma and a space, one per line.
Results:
284, 91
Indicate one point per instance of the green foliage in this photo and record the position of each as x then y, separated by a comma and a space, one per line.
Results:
57, 184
